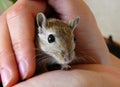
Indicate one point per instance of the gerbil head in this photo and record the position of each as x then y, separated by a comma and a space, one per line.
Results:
56, 38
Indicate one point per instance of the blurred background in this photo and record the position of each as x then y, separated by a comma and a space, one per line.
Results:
107, 14
4, 4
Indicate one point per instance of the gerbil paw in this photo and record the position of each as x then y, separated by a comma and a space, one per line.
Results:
65, 67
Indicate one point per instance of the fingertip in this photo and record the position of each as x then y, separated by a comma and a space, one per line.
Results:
26, 68
8, 78
9, 72
23, 68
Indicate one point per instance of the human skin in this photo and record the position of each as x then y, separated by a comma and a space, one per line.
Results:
87, 75
17, 51
93, 75
18, 29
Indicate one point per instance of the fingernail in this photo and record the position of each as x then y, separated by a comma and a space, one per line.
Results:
6, 77
23, 69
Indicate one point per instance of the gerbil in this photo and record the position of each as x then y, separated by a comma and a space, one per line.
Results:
55, 38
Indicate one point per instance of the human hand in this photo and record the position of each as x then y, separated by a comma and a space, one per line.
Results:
87, 75
90, 45
19, 42
17, 52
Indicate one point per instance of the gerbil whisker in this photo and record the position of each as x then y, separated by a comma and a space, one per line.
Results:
39, 54
42, 60
37, 49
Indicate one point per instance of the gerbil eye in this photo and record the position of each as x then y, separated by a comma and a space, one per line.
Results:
51, 38
74, 39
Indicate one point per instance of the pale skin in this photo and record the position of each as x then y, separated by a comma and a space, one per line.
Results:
17, 46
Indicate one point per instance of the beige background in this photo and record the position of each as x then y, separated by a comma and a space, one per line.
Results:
107, 13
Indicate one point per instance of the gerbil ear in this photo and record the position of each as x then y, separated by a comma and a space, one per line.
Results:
41, 20
74, 23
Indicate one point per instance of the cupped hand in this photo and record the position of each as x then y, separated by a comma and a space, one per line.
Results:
87, 75
90, 45
17, 52
89, 42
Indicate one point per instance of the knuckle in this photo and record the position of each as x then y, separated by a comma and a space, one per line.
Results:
15, 11
12, 14
17, 45
18, 50
5, 53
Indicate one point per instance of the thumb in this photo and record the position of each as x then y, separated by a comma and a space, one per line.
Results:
67, 9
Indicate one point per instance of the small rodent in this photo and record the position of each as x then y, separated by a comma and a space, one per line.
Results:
55, 39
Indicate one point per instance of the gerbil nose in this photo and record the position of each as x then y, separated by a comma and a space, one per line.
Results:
65, 54
66, 59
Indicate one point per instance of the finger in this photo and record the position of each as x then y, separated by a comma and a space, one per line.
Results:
21, 28
8, 66
23, 14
